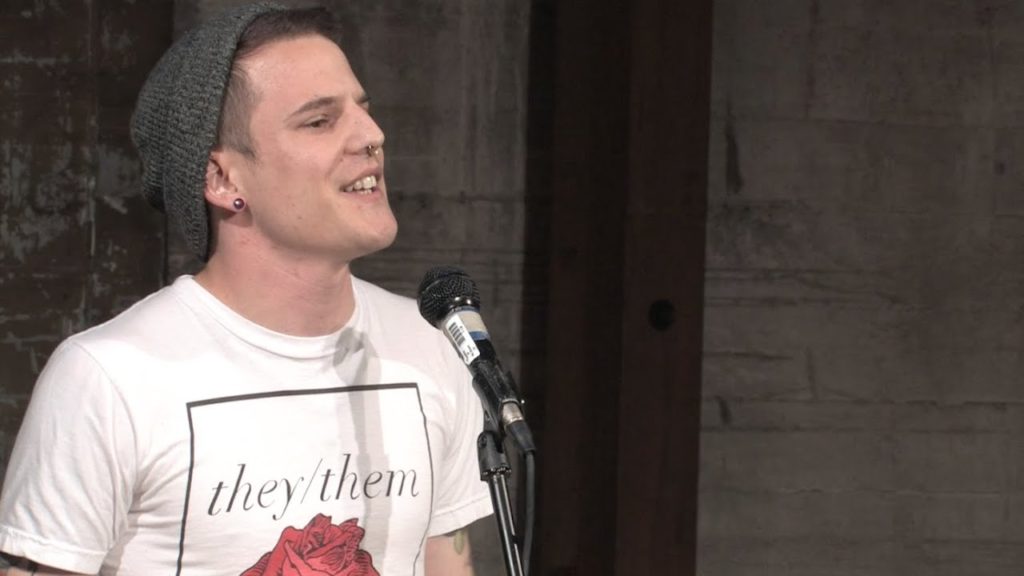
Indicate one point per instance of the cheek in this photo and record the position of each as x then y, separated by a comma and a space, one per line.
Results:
291, 176
283, 177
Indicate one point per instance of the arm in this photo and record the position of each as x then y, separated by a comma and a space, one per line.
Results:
449, 555
69, 479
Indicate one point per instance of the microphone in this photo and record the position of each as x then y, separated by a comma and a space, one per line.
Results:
449, 300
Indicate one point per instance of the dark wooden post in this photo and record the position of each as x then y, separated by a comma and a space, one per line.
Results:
628, 173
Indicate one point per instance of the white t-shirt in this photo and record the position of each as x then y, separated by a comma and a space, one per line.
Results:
182, 438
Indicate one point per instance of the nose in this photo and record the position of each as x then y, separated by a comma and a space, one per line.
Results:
366, 135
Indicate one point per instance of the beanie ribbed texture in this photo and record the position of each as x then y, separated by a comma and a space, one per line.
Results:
176, 119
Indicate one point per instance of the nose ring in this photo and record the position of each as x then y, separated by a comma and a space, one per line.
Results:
373, 151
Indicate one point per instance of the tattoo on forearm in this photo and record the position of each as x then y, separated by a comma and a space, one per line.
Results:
459, 538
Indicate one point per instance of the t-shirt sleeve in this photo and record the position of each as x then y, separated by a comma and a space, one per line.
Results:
68, 484
462, 497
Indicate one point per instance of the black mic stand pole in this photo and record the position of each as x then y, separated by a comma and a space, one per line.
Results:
494, 470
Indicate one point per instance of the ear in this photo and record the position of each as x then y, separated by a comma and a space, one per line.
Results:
220, 191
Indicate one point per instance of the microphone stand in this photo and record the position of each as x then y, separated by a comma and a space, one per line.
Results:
494, 469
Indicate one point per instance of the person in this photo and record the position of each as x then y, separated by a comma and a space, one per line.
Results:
273, 414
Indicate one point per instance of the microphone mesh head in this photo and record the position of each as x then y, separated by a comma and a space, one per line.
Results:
444, 288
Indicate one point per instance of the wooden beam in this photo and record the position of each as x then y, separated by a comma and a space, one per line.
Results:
663, 287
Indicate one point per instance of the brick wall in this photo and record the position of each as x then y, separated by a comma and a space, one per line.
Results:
863, 407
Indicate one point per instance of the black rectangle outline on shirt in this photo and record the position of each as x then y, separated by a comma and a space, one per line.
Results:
281, 393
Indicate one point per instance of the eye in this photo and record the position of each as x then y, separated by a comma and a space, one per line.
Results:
318, 122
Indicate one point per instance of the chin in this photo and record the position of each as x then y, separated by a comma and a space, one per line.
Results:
388, 234
379, 242
385, 242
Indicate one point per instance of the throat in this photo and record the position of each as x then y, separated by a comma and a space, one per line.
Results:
284, 301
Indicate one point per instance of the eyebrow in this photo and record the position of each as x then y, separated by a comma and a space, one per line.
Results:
327, 102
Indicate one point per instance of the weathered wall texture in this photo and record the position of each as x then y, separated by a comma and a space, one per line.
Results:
79, 242
863, 339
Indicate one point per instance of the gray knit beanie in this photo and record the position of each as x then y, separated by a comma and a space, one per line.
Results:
177, 116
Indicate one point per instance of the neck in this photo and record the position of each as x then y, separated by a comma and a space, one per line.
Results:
299, 298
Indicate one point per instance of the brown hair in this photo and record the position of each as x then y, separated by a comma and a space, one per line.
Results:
239, 97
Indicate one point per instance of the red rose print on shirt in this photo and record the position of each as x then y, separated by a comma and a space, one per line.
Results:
319, 549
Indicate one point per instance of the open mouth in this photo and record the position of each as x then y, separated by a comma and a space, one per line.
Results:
362, 186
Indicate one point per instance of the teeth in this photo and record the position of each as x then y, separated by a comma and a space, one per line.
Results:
367, 184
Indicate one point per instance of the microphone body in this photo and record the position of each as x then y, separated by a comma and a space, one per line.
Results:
448, 299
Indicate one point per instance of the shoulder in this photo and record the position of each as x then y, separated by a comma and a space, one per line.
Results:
161, 306
158, 325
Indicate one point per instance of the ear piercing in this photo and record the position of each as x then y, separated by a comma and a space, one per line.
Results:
373, 151
238, 204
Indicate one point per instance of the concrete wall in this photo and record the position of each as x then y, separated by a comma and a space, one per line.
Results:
863, 340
